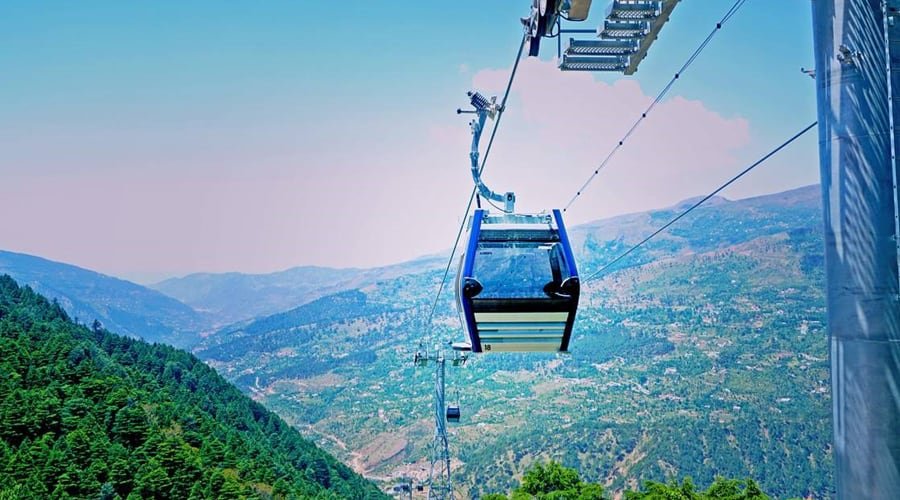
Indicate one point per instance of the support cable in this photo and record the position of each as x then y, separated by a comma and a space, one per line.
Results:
662, 94
484, 159
759, 162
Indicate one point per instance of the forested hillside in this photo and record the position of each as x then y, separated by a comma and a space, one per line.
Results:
86, 413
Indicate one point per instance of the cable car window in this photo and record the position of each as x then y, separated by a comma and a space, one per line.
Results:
520, 270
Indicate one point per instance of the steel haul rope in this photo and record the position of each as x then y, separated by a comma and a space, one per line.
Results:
704, 199
659, 97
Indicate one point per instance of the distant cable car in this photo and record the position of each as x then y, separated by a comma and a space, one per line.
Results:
517, 288
453, 411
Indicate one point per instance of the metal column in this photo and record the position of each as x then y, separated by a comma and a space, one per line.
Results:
440, 486
858, 168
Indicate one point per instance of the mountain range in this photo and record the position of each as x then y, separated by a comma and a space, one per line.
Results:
234, 297
702, 353
120, 305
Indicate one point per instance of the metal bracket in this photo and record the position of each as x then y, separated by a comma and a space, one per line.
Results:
848, 57
484, 109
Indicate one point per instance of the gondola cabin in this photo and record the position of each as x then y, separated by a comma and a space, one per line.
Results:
517, 288
453, 414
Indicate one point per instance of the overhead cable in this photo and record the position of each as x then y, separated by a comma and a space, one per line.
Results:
665, 226
659, 97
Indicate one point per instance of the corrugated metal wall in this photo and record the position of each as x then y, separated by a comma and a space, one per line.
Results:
861, 255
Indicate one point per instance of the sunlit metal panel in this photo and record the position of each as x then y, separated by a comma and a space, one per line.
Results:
857, 48
655, 26
578, 9
624, 29
634, 10
593, 63
630, 28
601, 47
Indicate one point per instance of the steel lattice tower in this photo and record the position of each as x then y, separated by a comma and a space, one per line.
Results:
439, 483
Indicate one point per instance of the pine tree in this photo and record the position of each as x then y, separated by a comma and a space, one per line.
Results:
318, 471
107, 492
153, 482
130, 426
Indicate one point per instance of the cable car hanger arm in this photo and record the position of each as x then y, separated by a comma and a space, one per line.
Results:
484, 109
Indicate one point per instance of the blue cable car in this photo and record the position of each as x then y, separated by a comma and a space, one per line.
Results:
453, 414
517, 287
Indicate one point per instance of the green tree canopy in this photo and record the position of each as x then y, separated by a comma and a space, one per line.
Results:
554, 481
86, 413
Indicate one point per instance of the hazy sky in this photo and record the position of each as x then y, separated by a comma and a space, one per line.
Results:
149, 139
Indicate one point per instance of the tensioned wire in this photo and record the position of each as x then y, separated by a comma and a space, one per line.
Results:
703, 200
659, 97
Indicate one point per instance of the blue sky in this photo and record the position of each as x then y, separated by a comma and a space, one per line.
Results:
159, 138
